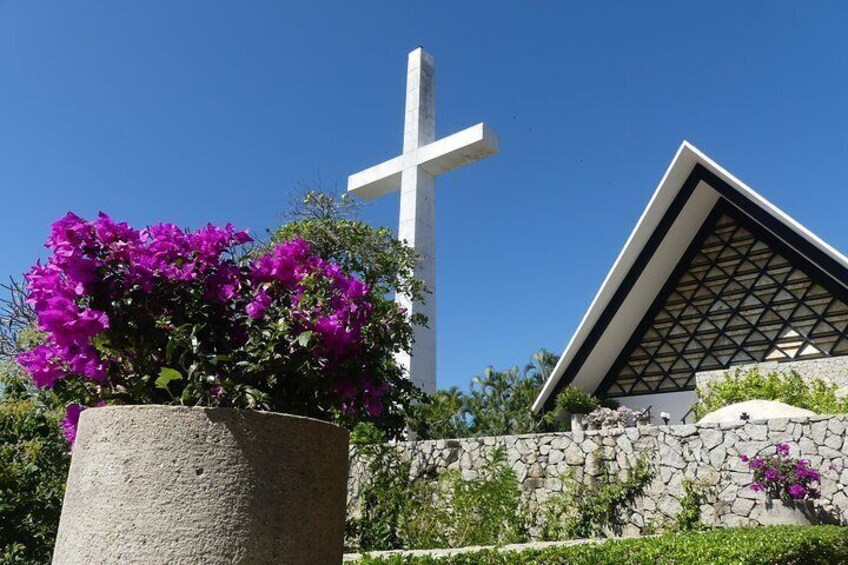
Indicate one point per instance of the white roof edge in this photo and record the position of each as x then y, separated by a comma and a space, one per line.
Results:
595, 307
681, 165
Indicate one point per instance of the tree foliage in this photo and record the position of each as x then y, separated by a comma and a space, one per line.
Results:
34, 462
34, 456
498, 403
441, 415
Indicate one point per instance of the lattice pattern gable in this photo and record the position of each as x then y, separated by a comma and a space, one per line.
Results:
738, 301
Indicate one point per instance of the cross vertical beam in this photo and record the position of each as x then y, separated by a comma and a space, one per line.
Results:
414, 174
417, 225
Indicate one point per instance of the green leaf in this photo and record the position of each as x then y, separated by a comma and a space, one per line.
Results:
304, 338
166, 375
215, 359
169, 349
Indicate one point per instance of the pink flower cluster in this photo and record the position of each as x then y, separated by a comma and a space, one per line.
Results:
110, 258
784, 477
288, 268
372, 396
107, 283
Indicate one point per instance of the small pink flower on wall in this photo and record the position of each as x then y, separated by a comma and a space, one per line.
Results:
784, 477
164, 315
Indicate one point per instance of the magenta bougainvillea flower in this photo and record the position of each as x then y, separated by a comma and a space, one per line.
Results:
43, 364
70, 421
784, 477
167, 315
256, 307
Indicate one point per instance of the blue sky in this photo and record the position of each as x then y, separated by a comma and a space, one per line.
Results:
216, 111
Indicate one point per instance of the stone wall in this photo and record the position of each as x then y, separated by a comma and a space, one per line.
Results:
831, 369
707, 453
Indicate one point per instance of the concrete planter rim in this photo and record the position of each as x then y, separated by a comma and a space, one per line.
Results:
212, 409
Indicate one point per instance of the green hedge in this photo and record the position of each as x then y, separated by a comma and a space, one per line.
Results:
785, 545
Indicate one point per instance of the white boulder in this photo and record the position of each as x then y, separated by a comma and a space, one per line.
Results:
756, 410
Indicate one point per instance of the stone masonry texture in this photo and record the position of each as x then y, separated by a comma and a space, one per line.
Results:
708, 453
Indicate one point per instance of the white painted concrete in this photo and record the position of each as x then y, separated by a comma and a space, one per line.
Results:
413, 173
755, 410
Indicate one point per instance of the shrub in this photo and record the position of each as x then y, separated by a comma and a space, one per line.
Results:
34, 462
816, 394
786, 545
167, 316
588, 510
689, 517
397, 512
784, 477
380, 260
384, 495
455, 512
571, 400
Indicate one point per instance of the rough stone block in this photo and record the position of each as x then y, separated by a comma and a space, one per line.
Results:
574, 455
742, 506
757, 433
836, 425
711, 438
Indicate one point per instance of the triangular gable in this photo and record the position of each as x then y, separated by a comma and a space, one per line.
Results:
693, 192
737, 296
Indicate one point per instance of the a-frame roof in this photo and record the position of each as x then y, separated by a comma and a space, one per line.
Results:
690, 189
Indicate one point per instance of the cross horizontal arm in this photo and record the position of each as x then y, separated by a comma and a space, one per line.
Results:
442, 156
466, 146
377, 180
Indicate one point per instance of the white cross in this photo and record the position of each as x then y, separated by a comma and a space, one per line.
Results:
414, 174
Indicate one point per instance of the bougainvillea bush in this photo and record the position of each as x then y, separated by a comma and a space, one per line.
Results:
164, 315
784, 477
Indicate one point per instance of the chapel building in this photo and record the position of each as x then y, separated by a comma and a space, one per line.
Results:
713, 277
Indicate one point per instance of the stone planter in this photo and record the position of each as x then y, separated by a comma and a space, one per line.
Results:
166, 484
577, 422
777, 512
